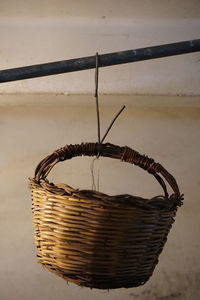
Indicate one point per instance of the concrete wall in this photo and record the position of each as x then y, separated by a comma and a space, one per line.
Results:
31, 127
37, 117
42, 31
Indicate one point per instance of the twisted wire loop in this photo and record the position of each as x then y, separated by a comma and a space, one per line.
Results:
70, 151
64, 153
148, 164
143, 161
125, 154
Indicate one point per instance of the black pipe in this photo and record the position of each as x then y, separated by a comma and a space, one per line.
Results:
105, 60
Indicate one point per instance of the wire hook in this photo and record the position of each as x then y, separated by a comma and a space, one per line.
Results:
97, 103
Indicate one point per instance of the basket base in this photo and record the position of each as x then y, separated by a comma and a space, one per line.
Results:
102, 282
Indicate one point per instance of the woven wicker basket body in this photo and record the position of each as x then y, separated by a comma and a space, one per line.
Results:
96, 240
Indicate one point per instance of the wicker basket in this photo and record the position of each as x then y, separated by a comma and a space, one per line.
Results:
97, 240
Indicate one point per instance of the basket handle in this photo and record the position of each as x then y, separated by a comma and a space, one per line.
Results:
107, 150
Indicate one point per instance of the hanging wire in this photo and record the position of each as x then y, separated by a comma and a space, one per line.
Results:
94, 187
100, 141
97, 99
111, 124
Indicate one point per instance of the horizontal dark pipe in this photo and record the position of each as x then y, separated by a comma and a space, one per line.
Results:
105, 60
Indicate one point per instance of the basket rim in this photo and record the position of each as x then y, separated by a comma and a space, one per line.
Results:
93, 197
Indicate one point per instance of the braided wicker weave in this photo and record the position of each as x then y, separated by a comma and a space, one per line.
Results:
97, 240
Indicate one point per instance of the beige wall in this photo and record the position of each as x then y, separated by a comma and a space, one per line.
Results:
37, 117
32, 126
